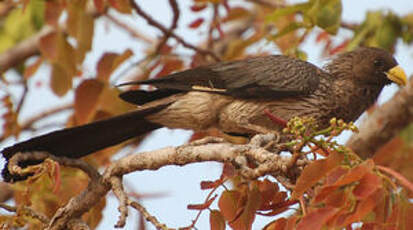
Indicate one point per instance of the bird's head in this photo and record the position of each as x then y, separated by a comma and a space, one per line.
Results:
370, 65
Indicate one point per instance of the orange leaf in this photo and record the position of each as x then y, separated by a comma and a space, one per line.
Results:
229, 203
48, 46
169, 66
31, 69
314, 172
316, 219
216, 220
364, 207
367, 185
355, 173
245, 220
109, 62
86, 100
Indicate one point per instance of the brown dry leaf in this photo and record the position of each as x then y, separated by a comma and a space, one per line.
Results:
87, 96
314, 172
122, 6
61, 81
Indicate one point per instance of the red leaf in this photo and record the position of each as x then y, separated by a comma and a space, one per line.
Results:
201, 206
210, 184
315, 220
367, 185
340, 47
100, 5
196, 23
198, 7
57, 178
314, 172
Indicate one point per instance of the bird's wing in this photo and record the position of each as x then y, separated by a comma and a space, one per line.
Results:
260, 77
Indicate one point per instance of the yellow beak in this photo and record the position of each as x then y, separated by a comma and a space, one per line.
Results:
397, 75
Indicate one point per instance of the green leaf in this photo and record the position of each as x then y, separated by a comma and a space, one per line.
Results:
326, 14
388, 32
280, 12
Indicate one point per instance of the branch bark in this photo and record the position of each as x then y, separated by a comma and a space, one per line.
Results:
207, 149
384, 123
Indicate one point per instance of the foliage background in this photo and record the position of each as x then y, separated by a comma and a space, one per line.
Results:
172, 187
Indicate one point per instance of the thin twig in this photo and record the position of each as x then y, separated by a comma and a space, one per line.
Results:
132, 31
29, 122
23, 98
176, 13
28, 211
164, 30
148, 216
399, 177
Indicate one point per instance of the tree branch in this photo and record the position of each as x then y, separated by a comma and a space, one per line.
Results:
384, 123
207, 149
23, 50
164, 30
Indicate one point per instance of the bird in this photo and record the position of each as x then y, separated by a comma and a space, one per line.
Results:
232, 97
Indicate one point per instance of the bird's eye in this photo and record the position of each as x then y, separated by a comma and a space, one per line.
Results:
378, 62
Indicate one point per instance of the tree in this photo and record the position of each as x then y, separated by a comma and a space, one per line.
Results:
329, 184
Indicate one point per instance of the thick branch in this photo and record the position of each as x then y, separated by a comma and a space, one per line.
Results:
208, 149
384, 123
